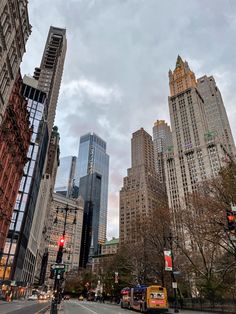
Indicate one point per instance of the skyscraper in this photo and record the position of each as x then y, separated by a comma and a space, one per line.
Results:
162, 141
93, 158
39, 177
18, 235
65, 177
90, 191
216, 116
142, 193
14, 32
202, 139
49, 74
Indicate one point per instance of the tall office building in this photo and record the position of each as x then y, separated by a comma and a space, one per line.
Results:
162, 141
36, 247
65, 179
14, 32
16, 244
216, 116
49, 74
93, 158
142, 193
202, 139
74, 221
90, 191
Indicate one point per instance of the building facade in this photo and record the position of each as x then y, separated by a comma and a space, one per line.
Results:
73, 232
142, 193
93, 158
162, 142
15, 134
90, 191
40, 226
216, 116
49, 74
108, 249
14, 32
22, 217
200, 145
65, 178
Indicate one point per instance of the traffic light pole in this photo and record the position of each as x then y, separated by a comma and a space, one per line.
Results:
57, 284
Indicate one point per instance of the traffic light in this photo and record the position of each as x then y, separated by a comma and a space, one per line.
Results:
60, 250
231, 219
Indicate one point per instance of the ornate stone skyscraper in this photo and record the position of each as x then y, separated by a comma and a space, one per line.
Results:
14, 32
202, 141
142, 193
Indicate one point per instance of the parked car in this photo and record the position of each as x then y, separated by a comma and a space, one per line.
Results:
66, 297
81, 298
33, 297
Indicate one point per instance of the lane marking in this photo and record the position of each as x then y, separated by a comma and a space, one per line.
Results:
48, 306
87, 308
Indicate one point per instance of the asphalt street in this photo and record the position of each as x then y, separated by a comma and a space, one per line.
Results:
22, 307
78, 307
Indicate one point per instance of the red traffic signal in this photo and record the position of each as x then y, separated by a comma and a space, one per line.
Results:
61, 241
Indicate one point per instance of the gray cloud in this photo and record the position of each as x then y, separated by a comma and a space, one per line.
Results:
116, 71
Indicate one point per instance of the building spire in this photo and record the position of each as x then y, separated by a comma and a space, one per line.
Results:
179, 62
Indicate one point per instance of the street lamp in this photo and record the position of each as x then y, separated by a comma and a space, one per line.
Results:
174, 283
60, 251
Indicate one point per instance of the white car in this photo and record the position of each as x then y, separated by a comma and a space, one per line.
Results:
33, 297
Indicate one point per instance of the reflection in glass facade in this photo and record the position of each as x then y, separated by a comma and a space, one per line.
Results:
90, 191
21, 217
64, 184
93, 158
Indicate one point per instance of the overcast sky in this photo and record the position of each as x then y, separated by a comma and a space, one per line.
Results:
116, 71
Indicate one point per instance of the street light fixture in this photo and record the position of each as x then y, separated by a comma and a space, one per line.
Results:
174, 282
57, 283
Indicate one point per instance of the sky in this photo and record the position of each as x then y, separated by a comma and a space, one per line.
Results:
115, 78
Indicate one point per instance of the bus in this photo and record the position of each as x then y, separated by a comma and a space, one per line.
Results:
145, 299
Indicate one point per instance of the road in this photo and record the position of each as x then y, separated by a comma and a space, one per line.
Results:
22, 307
79, 307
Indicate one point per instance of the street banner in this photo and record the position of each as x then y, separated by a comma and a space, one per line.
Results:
168, 260
116, 277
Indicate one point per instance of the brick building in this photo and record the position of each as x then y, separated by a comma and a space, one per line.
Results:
15, 134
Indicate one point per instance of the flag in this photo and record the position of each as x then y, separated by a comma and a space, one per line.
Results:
168, 260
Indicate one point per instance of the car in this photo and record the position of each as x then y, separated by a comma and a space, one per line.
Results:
81, 298
33, 297
66, 297
42, 297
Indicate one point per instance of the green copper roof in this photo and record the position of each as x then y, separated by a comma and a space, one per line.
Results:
179, 61
113, 241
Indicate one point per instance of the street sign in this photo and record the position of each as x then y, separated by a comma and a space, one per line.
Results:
233, 208
174, 285
58, 267
176, 273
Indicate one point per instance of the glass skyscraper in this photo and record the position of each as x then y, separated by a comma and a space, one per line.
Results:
15, 251
94, 159
65, 184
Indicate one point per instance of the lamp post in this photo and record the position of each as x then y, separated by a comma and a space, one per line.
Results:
57, 280
174, 283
